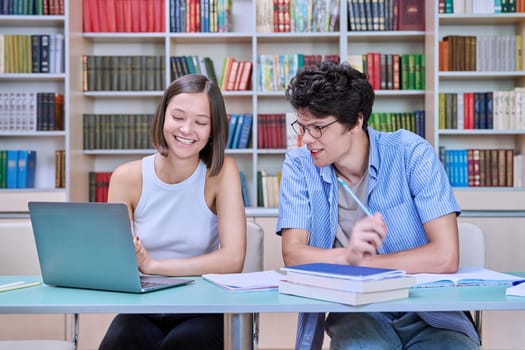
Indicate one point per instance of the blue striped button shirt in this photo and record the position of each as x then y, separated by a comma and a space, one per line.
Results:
406, 183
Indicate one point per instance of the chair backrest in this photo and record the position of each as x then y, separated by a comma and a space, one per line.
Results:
254, 247
471, 245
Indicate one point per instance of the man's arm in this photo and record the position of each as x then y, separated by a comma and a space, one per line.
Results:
440, 255
366, 238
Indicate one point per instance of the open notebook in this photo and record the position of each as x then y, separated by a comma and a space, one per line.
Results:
466, 276
90, 245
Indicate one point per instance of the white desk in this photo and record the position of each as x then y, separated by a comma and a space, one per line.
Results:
204, 297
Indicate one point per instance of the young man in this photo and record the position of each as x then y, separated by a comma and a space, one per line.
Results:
399, 178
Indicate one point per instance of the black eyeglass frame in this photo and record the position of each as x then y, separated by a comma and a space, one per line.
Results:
300, 129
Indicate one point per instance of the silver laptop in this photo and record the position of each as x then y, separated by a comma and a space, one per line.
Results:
90, 245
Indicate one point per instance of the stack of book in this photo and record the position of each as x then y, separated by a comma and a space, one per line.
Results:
345, 284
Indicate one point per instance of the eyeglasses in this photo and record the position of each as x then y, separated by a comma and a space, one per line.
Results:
316, 131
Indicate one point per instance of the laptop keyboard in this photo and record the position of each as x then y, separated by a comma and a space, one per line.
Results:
146, 284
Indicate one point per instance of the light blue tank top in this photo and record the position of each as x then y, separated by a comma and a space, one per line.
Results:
173, 220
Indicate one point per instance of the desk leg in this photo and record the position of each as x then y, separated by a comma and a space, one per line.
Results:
238, 332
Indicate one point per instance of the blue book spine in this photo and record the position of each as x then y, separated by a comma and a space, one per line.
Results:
12, 168
246, 130
238, 128
22, 169
231, 129
31, 169
243, 189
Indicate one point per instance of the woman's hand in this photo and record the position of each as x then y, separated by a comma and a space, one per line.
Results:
144, 261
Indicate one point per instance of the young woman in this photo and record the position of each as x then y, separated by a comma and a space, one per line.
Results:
186, 207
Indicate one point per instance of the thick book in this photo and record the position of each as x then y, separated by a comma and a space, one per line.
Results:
466, 276
412, 15
350, 272
340, 296
352, 285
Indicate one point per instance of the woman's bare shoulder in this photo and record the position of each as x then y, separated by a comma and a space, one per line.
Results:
128, 172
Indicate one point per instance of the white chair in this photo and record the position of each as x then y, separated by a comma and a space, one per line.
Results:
472, 253
18, 257
254, 247
252, 263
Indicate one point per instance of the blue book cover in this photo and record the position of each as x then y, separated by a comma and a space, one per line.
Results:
345, 271
246, 129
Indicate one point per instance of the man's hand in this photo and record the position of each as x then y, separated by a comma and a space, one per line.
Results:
366, 238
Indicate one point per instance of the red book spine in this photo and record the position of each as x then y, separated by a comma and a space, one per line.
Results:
143, 18
102, 16
95, 21
111, 15
136, 15
150, 14
127, 16
86, 16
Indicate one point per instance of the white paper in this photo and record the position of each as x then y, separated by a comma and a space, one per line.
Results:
261, 280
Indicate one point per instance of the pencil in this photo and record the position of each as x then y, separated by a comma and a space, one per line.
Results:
356, 199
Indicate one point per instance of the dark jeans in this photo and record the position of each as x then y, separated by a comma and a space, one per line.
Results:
165, 331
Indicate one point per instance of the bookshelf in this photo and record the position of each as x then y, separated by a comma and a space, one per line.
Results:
243, 42
19, 85
496, 69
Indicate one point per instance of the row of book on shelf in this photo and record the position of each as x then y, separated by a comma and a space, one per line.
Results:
373, 15
240, 130
482, 167
391, 71
32, 7
236, 75
123, 73
392, 121
480, 7
139, 16
498, 110
31, 111
116, 131
268, 188
17, 168
98, 186
182, 65
297, 16
146, 73
481, 53
275, 70
274, 131
32, 53
206, 16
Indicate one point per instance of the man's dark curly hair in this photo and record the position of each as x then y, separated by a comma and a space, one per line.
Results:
330, 88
